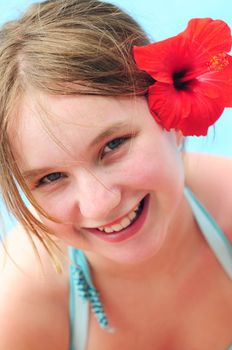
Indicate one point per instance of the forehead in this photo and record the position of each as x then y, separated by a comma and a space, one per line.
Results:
50, 121
60, 112
79, 110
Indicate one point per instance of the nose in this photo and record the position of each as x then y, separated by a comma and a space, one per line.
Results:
96, 198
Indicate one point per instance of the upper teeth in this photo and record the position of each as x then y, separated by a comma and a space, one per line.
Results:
126, 221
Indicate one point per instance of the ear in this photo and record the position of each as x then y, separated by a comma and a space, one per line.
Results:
179, 139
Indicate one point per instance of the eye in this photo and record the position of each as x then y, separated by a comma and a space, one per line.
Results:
114, 145
50, 178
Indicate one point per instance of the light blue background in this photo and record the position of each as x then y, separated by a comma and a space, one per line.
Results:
162, 19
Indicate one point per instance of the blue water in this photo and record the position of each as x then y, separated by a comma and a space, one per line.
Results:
161, 19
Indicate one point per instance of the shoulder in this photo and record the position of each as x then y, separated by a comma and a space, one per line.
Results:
209, 177
33, 300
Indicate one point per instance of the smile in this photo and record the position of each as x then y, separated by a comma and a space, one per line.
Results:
126, 227
125, 222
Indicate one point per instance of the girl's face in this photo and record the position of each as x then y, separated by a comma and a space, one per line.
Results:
104, 168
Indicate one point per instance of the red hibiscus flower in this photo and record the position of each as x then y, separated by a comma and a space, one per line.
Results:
192, 75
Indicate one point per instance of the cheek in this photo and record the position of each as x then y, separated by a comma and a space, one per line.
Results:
62, 229
58, 206
154, 170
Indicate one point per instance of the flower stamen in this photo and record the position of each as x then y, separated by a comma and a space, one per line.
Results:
218, 62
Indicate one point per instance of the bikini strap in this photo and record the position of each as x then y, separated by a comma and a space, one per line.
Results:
212, 232
78, 311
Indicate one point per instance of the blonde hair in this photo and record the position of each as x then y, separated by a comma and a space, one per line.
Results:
62, 47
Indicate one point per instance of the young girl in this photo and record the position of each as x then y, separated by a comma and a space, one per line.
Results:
93, 120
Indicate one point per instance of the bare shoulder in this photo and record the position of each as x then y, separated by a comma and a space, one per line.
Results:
209, 176
33, 299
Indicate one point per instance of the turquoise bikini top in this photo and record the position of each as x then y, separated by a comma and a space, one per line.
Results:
83, 293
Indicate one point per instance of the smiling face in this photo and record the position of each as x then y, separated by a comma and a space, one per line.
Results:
103, 167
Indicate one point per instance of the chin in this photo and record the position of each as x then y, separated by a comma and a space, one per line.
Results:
137, 251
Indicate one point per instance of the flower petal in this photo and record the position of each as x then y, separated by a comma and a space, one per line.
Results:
208, 36
204, 113
192, 111
219, 83
166, 104
163, 58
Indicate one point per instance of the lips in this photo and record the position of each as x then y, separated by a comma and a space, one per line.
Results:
131, 229
125, 222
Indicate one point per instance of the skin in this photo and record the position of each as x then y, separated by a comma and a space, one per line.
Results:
113, 180
167, 264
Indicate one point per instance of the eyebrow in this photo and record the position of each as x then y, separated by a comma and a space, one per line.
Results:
28, 174
109, 131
